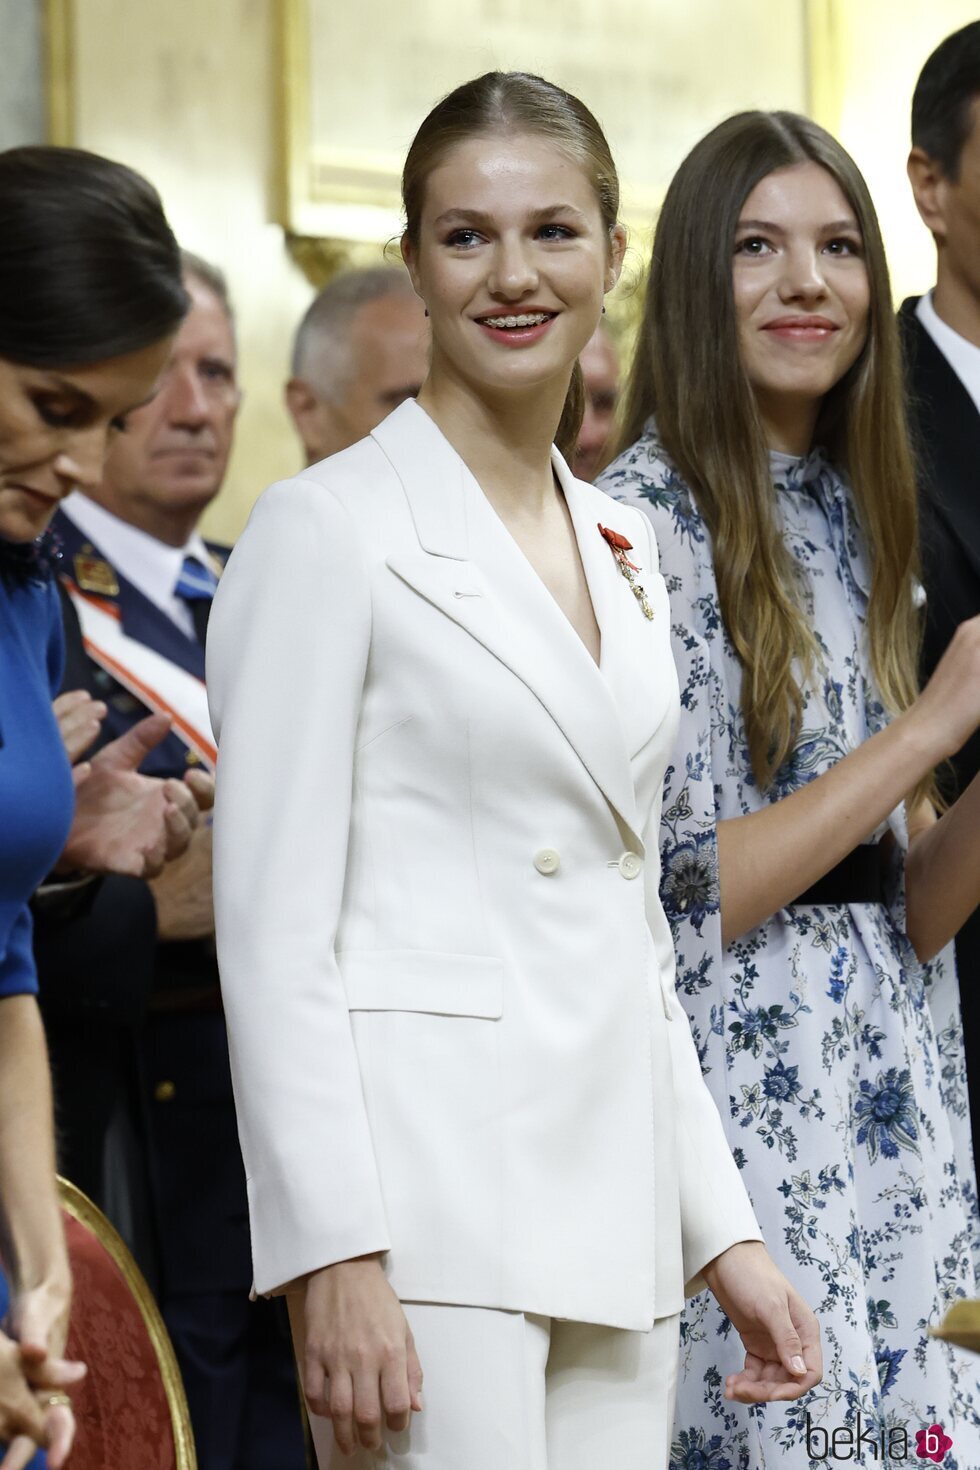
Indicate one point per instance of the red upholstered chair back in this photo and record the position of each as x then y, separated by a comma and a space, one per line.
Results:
131, 1409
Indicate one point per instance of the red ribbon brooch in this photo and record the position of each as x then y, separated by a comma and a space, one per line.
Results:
619, 546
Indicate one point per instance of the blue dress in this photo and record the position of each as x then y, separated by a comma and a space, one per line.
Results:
835, 1057
36, 797
36, 794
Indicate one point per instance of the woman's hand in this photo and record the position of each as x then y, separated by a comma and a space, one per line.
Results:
767, 858
40, 1321
359, 1361
780, 1334
20, 1413
79, 719
57, 1419
127, 823
947, 712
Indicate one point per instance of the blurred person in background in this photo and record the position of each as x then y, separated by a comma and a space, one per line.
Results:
941, 341
85, 330
360, 351
141, 578
600, 373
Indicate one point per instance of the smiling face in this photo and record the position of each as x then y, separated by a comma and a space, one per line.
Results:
512, 261
55, 430
802, 297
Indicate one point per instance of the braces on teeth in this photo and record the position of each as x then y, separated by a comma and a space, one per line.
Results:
517, 321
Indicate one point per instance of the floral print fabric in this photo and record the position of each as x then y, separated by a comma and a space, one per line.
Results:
835, 1058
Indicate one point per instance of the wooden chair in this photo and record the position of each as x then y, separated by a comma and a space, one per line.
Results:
131, 1409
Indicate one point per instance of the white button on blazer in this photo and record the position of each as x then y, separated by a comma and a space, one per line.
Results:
436, 1054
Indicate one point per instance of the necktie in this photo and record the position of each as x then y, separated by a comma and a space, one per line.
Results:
196, 585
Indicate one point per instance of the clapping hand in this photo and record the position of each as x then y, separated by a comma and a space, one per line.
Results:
79, 719
779, 1332
124, 822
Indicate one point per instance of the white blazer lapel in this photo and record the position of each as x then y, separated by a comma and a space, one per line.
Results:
632, 649
473, 571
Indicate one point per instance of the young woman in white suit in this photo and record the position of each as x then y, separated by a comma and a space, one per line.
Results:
472, 1115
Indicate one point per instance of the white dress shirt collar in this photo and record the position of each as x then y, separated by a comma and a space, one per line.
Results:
962, 356
151, 565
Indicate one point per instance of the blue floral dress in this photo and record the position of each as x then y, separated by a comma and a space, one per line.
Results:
834, 1056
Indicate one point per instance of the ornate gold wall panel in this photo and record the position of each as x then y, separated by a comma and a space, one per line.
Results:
59, 78
356, 80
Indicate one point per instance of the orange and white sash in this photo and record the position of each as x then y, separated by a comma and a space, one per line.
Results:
162, 686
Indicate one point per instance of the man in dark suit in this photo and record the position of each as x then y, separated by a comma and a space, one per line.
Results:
941, 339
140, 581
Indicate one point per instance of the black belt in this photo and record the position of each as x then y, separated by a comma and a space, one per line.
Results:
858, 878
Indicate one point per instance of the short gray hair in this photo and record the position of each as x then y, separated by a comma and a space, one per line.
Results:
211, 277
320, 349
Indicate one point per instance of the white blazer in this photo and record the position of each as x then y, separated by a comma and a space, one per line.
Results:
448, 977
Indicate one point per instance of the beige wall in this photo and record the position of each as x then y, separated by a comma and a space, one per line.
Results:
879, 49
184, 90
22, 93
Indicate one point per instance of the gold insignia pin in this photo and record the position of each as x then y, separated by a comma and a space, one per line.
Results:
92, 574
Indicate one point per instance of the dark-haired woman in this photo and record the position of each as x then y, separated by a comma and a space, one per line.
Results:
85, 328
803, 867
474, 1126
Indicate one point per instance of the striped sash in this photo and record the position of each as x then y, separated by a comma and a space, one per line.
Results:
162, 686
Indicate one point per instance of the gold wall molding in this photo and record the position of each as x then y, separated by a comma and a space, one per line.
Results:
349, 200
58, 32
321, 259
292, 111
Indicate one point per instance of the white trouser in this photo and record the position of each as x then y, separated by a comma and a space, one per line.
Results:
511, 1391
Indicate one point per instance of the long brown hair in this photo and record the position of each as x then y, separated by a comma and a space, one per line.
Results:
516, 102
688, 373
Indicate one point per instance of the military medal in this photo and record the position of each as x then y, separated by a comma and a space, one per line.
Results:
92, 574
619, 546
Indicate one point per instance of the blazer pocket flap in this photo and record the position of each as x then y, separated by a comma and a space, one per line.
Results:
420, 980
